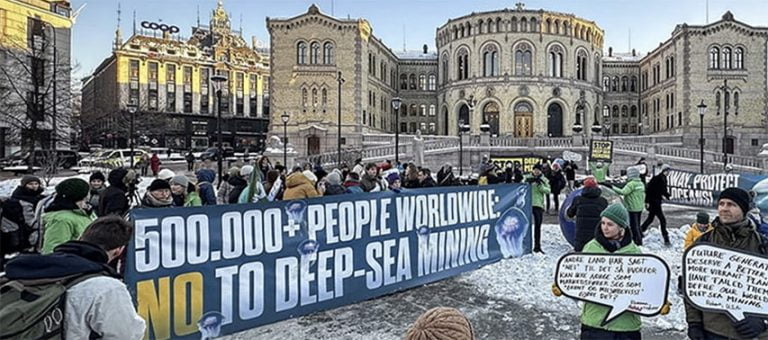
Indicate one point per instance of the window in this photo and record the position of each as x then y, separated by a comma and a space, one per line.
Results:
265, 96
606, 84
615, 84
523, 60
755, 142
423, 127
556, 61
490, 61
615, 111
726, 58
633, 84
205, 75
736, 102
422, 110
403, 110
314, 53
328, 53
432, 82
432, 128
383, 74
403, 127
301, 53
187, 78
624, 111
714, 58
431, 110
403, 81
412, 109
463, 64
422, 82
134, 69
253, 103
304, 96
152, 68
413, 127
314, 97
412, 79
324, 99
624, 84
633, 111
445, 70
738, 58
581, 65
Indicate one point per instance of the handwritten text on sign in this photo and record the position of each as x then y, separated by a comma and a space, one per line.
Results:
727, 281
634, 283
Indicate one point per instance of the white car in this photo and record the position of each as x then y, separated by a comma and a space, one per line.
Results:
113, 158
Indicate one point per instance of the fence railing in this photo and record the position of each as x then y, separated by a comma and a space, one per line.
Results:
671, 139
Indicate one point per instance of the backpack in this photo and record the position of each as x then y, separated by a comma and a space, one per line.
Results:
34, 309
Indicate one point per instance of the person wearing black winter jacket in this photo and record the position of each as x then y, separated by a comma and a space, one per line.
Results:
570, 173
655, 192
517, 173
557, 183
18, 217
587, 208
238, 184
114, 200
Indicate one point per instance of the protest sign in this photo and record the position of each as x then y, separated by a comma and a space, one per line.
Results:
601, 150
526, 161
726, 280
571, 156
695, 189
635, 283
216, 270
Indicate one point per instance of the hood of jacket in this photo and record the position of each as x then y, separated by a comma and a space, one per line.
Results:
70, 258
22, 193
237, 181
205, 175
116, 177
296, 179
591, 192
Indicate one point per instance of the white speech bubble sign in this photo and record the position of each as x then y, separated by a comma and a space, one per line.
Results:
636, 283
725, 280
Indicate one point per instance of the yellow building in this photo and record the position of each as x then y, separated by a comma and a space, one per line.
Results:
169, 80
37, 33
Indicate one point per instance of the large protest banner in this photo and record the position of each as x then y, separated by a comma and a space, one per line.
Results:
695, 189
209, 271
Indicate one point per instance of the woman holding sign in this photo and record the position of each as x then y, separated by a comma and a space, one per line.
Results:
612, 236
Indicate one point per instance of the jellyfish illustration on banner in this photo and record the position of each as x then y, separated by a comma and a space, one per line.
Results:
422, 234
512, 226
760, 191
209, 325
567, 225
309, 246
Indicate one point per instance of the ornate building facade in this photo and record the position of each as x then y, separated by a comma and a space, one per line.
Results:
521, 73
170, 81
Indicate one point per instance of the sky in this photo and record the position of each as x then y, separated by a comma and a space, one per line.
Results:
412, 23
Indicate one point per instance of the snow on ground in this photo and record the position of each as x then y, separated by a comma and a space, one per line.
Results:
8, 186
528, 280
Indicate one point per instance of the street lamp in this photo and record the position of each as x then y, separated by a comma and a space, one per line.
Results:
285, 117
702, 110
396, 106
338, 139
132, 108
462, 129
218, 80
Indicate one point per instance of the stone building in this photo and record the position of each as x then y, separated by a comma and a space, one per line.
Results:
169, 80
35, 38
418, 89
621, 93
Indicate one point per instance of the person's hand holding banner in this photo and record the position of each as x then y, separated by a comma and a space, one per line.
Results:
727, 281
635, 283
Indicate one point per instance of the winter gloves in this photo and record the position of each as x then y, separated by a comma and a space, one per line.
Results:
556, 291
750, 327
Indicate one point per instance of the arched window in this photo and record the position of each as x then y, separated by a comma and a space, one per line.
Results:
513, 24
736, 102
490, 61
534, 25
523, 25
462, 61
717, 102
523, 60
412, 109
304, 96
714, 58
548, 26
581, 65
615, 110
464, 115
624, 84
444, 73
556, 61
726, 58
403, 81
301, 53
624, 111
422, 82
633, 84
328, 53
738, 58
403, 110
422, 110
556, 27
314, 52
314, 97
431, 110
324, 94
615, 84
633, 111
432, 82
606, 84
412, 79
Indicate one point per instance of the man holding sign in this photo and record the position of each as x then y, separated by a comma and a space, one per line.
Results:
707, 318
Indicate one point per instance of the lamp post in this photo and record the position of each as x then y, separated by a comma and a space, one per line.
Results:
461, 147
132, 107
396, 106
285, 117
702, 110
218, 80
338, 138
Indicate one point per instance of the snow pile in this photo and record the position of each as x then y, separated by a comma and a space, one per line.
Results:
528, 280
8, 186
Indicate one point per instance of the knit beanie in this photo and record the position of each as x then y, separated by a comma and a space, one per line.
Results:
166, 174
537, 166
180, 180
73, 189
234, 171
665, 167
618, 214
333, 178
440, 323
590, 182
29, 179
97, 176
740, 196
246, 171
633, 172
392, 177
702, 217
158, 184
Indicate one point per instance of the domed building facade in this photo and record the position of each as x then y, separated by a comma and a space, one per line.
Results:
523, 73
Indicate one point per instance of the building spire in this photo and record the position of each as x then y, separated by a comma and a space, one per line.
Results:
198, 15
134, 22
118, 35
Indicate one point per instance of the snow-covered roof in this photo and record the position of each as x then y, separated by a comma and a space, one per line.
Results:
416, 54
627, 57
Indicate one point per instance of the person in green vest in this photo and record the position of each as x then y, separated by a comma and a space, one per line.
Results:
599, 171
184, 193
539, 190
634, 200
68, 215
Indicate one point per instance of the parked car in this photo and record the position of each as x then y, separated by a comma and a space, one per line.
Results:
22, 158
212, 153
113, 158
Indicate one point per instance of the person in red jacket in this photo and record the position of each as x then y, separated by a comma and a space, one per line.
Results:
154, 163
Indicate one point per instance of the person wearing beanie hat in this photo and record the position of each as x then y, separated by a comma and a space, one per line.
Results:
222, 192
166, 174
18, 209
238, 182
68, 215
96, 180
612, 236
298, 186
730, 229
539, 190
655, 193
634, 200
586, 208
441, 323
158, 195
333, 184
393, 179
114, 200
599, 170
29, 179
184, 193
701, 226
